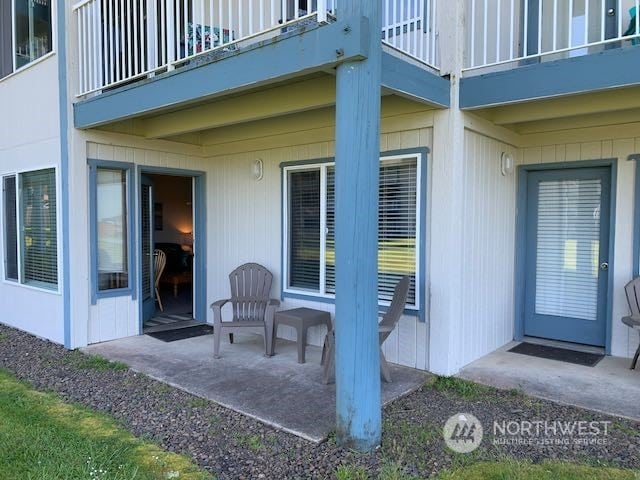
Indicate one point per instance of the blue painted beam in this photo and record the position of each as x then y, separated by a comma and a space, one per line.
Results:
615, 68
268, 62
636, 219
409, 80
358, 397
63, 99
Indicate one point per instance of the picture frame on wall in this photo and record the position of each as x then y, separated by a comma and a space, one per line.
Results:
158, 217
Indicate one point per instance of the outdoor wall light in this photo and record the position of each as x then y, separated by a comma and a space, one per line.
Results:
506, 164
257, 169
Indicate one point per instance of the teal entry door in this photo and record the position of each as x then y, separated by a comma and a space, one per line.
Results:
567, 247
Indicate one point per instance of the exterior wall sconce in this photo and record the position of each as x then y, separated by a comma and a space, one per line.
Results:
506, 164
257, 169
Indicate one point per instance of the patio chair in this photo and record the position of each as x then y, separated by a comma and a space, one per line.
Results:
252, 308
385, 327
632, 289
160, 261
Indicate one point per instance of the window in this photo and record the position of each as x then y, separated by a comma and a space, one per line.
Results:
10, 229
25, 33
39, 236
310, 227
30, 228
111, 206
111, 227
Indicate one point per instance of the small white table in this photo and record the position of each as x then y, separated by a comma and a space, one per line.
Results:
301, 319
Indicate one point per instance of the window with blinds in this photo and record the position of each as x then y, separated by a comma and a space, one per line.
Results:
309, 235
304, 229
10, 228
38, 228
111, 224
568, 248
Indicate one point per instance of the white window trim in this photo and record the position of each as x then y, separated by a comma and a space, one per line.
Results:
19, 283
322, 295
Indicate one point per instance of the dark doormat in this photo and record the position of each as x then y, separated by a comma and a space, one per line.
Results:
560, 354
182, 333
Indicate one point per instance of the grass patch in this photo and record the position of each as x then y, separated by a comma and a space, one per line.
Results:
394, 471
3, 336
82, 361
460, 387
253, 442
351, 473
199, 402
42, 437
513, 470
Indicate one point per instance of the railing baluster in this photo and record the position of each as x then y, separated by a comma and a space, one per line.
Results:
570, 29
555, 25
540, 2
512, 39
485, 32
603, 16
498, 29
586, 21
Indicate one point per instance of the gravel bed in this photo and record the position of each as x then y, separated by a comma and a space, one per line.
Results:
237, 447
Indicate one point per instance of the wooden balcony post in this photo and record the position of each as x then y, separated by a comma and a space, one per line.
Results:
358, 397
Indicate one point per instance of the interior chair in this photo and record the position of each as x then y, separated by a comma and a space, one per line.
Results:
632, 289
250, 304
385, 327
160, 261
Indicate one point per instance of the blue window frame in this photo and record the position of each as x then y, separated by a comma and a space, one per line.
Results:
308, 212
112, 229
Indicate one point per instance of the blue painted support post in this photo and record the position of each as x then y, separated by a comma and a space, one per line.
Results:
358, 398
636, 217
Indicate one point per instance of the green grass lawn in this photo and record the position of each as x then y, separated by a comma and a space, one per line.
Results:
505, 470
43, 438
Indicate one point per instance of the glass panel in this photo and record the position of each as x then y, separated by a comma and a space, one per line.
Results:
6, 39
330, 252
145, 200
397, 227
304, 229
10, 230
568, 247
39, 228
111, 217
32, 30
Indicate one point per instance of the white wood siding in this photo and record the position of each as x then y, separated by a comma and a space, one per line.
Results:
243, 224
489, 248
29, 140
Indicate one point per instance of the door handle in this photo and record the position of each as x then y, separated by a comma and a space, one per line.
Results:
604, 266
611, 12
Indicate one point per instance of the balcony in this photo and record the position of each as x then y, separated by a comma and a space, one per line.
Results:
504, 34
534, 51
122, 41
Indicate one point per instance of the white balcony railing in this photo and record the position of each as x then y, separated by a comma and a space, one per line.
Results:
503, 31
123, 40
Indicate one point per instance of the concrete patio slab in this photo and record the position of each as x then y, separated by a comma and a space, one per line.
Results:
277, 390
609, 387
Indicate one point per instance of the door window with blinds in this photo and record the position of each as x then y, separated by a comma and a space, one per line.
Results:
310, 227
111, 223
31, 234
